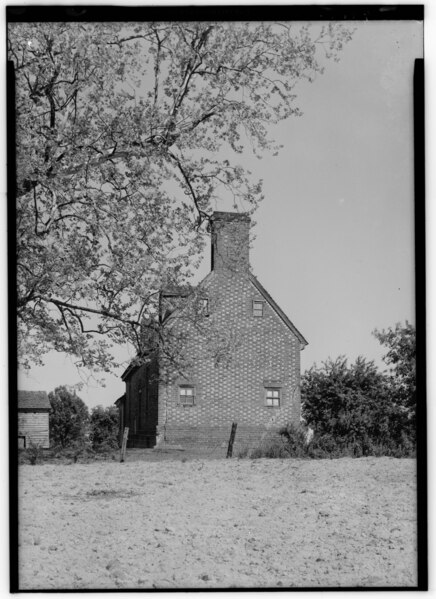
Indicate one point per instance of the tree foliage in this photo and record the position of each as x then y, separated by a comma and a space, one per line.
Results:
104, 427
352, 409
401, 357
127, 136
68, 417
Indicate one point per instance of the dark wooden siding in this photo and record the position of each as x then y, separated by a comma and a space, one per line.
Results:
141, 406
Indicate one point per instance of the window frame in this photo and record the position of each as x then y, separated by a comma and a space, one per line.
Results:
256, 306
185, 395
275, 395
205, 306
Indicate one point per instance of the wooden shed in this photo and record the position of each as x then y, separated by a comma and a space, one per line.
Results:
33, 418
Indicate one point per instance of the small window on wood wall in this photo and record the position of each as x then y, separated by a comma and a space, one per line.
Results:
258, 308
272, 398
186, 395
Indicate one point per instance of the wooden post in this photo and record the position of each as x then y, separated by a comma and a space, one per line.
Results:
231, 440
124, 444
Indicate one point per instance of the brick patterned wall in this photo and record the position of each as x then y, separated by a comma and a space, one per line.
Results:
230, 242
263, 352
230, 356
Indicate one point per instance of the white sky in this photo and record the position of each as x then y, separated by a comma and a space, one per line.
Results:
334, 235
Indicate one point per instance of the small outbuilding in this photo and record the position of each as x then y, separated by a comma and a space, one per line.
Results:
33, 418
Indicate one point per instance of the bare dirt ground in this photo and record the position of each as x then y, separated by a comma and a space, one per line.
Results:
177, 523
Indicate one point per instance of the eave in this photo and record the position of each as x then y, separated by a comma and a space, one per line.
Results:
278, 310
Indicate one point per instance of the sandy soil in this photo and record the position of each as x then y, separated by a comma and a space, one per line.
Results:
218, 523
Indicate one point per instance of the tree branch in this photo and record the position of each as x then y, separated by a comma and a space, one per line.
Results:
101, 312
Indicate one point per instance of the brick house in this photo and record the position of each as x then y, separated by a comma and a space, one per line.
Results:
241, 358
33, 418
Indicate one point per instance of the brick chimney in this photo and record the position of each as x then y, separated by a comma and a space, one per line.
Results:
230, 241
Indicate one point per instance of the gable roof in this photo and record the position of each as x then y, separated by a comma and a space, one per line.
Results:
262, 291
120, 400
136, 363
277, 309
33, 399
186, 290
181, 292
131, 368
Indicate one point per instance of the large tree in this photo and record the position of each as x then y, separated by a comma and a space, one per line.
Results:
127, 135
400, 342
68, 417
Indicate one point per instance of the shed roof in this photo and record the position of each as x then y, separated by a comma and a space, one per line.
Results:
33, 399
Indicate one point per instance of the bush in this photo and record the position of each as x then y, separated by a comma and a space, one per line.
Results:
295, 439
74, 451
294, 444
34, 453
271, 447
354, 411
243, 452
82, 453
104, 423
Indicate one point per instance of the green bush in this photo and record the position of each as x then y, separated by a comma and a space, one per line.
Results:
76, 450
104, 428
271, 447
293, 444
354, 410
295, 440
243, 452
34, 453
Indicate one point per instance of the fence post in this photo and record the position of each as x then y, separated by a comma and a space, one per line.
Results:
231, 440
124, 444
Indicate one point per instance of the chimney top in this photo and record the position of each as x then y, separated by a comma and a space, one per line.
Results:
230, 216
230, 241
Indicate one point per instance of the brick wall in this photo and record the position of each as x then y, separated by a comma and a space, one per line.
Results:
230, 358
230, 242
262, 352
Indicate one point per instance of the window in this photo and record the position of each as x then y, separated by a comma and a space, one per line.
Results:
205, 306
272, 397
258, 308
186, 395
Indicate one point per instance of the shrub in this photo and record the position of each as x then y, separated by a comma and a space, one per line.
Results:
243, 452
295, 439
75, 450
256, 453
34, 453
354, 411
271, 447
104, 428
294, 444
